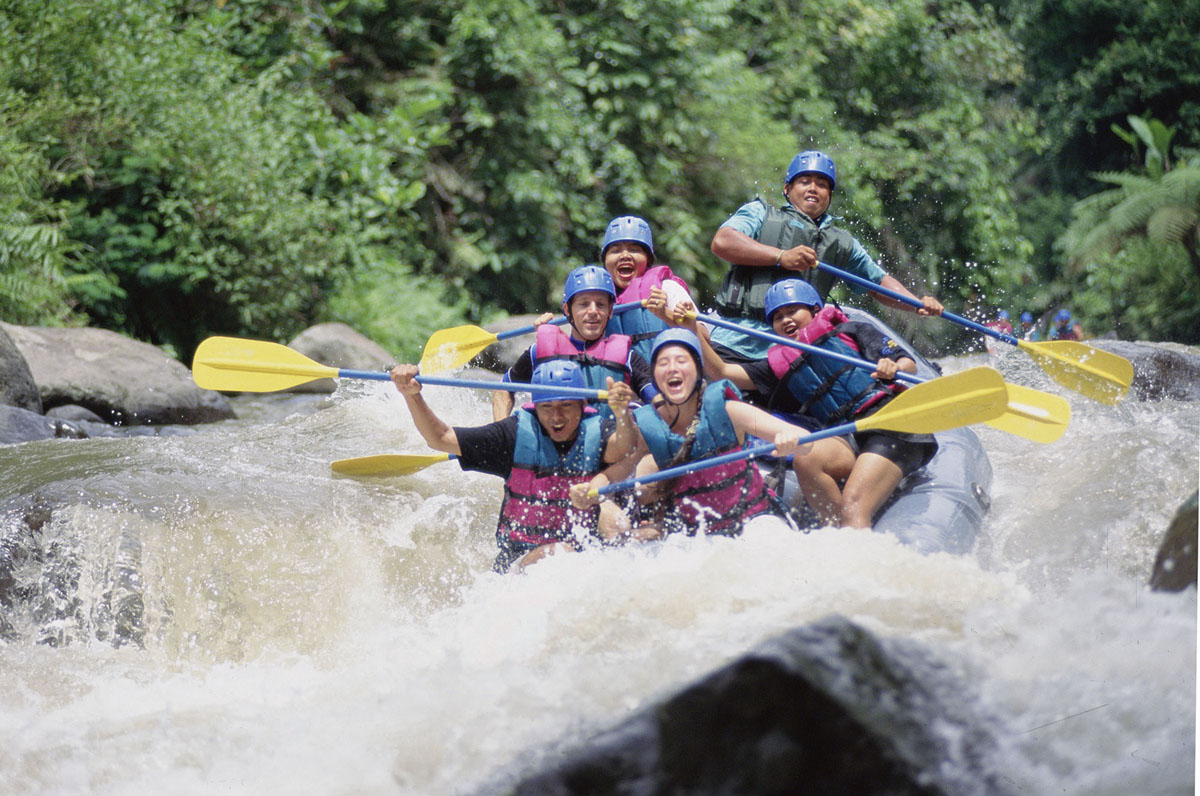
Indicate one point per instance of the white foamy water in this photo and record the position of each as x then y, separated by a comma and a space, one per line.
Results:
310, 633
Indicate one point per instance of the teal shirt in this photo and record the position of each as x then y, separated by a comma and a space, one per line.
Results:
748, 219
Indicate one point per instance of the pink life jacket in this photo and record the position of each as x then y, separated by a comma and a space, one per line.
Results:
608, 356
639, 323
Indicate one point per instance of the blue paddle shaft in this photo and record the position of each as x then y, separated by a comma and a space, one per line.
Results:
560, 321
510, 386
912, 302
812, 349
700, 464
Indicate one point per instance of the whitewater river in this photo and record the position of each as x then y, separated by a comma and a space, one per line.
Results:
302, 632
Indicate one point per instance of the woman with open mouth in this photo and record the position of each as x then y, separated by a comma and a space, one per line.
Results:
692, 421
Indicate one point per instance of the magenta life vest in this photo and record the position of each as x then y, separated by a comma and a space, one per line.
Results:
716, 500
537, 496
608, 356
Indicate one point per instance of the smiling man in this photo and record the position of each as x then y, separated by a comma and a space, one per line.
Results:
588, 297
765, 244
541, 451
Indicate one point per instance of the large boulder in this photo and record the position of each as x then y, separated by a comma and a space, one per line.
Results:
17, 387
122, 380
825, 708
1161, 371
1175, 564
339, 346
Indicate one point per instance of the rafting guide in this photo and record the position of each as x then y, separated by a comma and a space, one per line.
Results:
765, 244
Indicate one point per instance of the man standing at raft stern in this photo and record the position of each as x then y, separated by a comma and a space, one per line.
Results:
541, 451
588, 297
765, 244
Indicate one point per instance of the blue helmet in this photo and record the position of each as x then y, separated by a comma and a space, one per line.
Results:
1026, 317
790, 291
589, 277
676, 336
557, 373
628, 228
1063, 315
1002, 315
812, 162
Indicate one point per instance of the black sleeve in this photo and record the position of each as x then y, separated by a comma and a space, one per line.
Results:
489, 448
641, 377
873, 344
522, 370
761, 376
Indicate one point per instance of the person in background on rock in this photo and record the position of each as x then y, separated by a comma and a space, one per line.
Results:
627, 253
588, 298
695, 421
766, 244
1029, 331
541, 451
1063, 330
845, 479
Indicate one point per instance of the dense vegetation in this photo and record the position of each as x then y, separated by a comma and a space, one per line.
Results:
179, 168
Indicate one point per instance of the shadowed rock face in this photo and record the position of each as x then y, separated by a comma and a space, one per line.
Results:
17, 387
120, 380
825, 708
1161, 371
1175, 564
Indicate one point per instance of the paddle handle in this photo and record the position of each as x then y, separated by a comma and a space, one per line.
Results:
701, 464
514, 386
559, 322
812, 349
912, 302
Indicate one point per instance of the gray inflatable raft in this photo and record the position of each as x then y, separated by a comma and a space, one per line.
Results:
939, 508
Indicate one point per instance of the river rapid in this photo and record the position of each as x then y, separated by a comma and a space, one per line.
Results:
300, 632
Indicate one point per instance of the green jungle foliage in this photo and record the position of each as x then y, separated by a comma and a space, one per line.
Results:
174, 169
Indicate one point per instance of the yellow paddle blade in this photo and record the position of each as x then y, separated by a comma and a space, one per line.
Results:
448, 349
1098, 374
235, 365
387, 464
1033, 414
972, 396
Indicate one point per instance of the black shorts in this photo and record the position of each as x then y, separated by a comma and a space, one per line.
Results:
909, 452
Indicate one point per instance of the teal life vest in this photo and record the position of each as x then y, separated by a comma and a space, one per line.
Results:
744, 287
714, 500
831, 391
537, 496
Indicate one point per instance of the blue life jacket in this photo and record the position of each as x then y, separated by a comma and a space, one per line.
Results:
714, 500
537, 496
831, 391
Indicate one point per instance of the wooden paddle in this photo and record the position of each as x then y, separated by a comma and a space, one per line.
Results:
389, 463
972, 396
448, 349
1030, 413
232, 364
1098, 374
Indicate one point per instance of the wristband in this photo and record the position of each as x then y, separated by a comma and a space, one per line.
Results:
779, 257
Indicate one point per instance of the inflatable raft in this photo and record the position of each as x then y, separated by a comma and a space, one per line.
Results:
939, 508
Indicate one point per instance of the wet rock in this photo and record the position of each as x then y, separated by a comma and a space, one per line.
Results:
74, 414
339, 346
123, 381
1161, 371
1175, 564
22, 425
826, 708
17, 387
